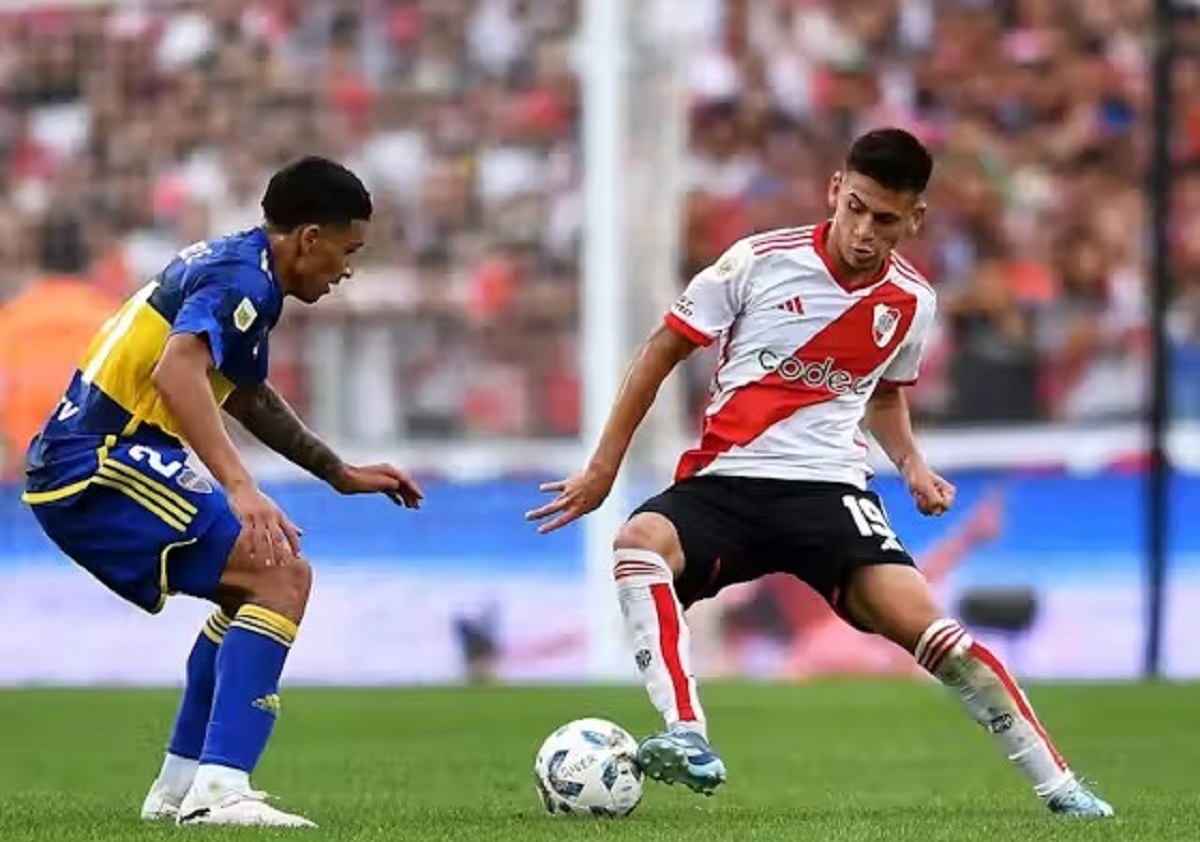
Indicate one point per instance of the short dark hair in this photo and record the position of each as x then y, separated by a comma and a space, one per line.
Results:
315, 191
893, 158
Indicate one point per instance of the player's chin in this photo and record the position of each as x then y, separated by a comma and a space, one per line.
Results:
312, 296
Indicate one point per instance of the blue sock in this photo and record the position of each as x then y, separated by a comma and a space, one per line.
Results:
246, 701
191, 722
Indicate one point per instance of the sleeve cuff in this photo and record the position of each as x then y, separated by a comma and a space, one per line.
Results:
212, 335
884, 383
686, 330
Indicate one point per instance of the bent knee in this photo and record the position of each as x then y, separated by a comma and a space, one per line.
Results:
651, 532
283, 588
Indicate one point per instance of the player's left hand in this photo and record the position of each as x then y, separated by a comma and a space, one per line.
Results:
933, 494
379, 479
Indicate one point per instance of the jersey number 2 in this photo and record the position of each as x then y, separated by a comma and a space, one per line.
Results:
871, 521
141, 453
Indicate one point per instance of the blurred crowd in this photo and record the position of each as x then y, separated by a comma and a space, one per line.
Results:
128, 130
1038, 111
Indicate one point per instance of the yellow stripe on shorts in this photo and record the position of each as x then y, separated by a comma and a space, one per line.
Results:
148, 492
170, 495
141, 499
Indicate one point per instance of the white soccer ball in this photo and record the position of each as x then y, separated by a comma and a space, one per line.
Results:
588, 768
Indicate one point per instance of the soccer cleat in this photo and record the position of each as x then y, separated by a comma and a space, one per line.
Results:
1075, 799
242, 808
682, 757
161, 804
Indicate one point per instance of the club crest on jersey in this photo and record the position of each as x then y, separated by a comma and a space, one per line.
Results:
191, 481
731, 260
244, 315
887, 319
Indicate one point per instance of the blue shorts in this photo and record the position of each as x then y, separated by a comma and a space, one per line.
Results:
146, 525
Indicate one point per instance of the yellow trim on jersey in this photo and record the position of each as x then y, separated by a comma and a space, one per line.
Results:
33, 498
122, 365
121, 360
163, 587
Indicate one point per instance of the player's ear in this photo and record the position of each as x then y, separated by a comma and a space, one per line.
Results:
917, 221
835, 188
308, 238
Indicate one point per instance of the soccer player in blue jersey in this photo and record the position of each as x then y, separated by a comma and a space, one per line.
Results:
108, 480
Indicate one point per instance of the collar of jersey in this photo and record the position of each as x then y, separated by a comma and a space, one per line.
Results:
263, 242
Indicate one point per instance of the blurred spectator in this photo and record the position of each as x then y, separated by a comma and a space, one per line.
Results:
129, 130
1036, 110
993, 370
1184, 318
43, 331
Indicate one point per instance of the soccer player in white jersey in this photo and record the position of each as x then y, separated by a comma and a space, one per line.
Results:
819, 329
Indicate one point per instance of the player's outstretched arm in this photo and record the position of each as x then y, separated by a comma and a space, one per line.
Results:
585, 491
269, 418
888, 420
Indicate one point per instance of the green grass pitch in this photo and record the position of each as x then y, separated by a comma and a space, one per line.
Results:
854, 760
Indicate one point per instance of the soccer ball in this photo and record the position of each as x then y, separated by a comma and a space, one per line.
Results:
587, 768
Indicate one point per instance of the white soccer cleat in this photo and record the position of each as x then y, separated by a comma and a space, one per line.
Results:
161, 804
1075, 798
246, 808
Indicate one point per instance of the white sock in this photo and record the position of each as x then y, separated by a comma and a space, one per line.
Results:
994, 700
177, 774
655, 624
214, 782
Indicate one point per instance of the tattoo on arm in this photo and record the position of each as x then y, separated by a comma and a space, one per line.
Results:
267, 417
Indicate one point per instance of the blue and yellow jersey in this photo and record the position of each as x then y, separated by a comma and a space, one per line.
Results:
225, 290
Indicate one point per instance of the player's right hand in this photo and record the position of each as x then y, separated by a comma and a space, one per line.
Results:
577, 495
273, 539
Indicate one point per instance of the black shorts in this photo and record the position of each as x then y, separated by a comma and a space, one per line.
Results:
737, 529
